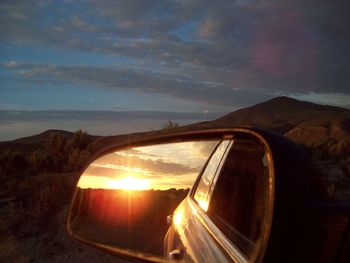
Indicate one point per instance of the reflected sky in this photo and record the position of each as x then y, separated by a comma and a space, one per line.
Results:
158, 167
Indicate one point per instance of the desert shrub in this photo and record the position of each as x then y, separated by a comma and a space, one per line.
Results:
35, 181
13, 164
54, 152
78, 151
80, 140
55, 143
334, 151
38, 162
42, 195
56, 155
170, 125
77, 159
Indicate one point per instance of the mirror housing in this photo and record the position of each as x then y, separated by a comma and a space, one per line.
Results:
288, 191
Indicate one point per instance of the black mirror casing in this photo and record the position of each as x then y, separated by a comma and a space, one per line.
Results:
290, 192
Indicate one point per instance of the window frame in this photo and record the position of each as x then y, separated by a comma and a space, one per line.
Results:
221, 237
215, 176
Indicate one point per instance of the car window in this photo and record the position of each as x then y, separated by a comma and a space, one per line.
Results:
237, 204
202, 190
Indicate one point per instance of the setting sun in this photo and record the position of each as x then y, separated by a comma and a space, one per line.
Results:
125, 183
157, 167
129, 183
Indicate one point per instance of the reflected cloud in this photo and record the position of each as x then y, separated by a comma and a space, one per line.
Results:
161, 167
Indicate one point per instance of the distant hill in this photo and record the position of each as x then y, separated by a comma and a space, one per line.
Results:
324, 130
38, 173
44, 136
282, 114
303, 122
31, 143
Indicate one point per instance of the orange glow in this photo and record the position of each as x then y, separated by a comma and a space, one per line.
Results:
203, 204
102, 182
201, 199
178, 217
115, 207
129, 183
158, 167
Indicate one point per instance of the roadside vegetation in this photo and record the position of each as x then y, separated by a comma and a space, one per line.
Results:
170, 125
35, 185
331, 160
332, 150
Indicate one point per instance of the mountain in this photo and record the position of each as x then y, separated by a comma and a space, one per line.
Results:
282, 114
324, 130
301, 121
304, 122
31, 143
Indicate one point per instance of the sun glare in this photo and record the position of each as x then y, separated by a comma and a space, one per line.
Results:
129, 183
178, 217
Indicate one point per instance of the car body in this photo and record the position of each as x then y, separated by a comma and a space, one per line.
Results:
299, 227
228, 193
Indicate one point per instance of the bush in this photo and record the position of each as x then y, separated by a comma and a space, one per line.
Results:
13, 164
42, 195
80, 140
77, 159
170, 125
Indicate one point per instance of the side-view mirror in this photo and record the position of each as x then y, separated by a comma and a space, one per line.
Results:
202, 196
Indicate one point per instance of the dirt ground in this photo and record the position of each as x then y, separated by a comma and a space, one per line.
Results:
36, 245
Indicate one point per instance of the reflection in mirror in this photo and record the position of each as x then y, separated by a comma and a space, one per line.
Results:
123, 198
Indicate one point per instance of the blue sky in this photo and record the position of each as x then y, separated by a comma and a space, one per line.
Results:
169, 56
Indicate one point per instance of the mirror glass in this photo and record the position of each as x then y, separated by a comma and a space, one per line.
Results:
123, 198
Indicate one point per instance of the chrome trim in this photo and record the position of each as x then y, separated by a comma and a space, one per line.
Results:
233, 251
218, 170
217, 234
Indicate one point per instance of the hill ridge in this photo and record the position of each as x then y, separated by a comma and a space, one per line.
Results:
301, 121
282, 114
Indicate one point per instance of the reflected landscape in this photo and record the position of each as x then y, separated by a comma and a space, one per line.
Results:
157, 167
123, 198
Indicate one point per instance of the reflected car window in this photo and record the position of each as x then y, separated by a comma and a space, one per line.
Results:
237, 204
204, 184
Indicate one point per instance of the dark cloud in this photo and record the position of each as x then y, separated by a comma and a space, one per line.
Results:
227, 53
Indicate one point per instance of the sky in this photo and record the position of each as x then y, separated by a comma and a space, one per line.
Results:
181, 60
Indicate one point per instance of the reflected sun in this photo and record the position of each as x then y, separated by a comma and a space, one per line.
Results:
129, 183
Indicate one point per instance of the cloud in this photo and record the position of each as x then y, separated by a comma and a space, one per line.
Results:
227, 53
140, 80
153, 168
10, 64
82, 25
